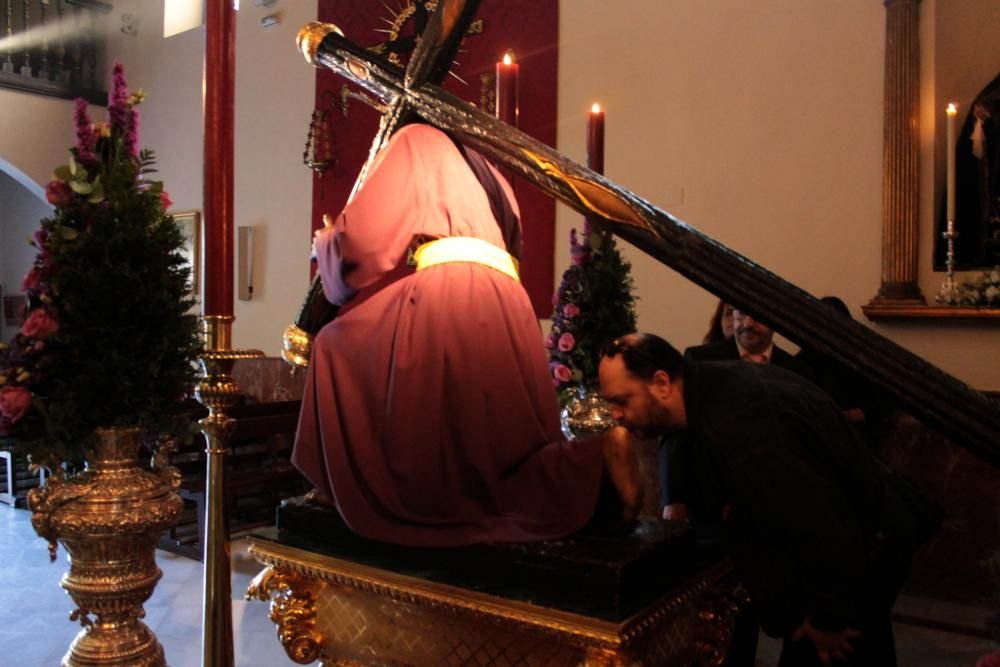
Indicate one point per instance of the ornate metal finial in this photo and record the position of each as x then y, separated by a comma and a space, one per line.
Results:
310, 36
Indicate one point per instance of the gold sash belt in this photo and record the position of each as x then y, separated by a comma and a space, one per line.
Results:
465, 249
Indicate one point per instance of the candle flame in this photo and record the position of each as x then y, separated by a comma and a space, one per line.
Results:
508, 57
596, 108
952, 109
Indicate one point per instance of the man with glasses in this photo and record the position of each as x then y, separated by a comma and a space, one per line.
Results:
819, 540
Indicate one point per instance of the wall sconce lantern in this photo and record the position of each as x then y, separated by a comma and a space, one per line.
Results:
321, 149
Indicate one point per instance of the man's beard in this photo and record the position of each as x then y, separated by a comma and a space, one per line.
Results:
655, 424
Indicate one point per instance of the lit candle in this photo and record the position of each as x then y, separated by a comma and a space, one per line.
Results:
506, 89
952, 111
595, 139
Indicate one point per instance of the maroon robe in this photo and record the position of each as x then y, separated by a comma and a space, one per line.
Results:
429, 415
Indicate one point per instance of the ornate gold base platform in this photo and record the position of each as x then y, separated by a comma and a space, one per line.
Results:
345, 613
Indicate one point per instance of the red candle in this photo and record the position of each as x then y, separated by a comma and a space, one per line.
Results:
506, 89
218, 181
595, 139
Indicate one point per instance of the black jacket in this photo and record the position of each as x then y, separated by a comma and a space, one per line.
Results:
809, 509
672, 486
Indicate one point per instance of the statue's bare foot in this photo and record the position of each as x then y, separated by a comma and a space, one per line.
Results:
623, 468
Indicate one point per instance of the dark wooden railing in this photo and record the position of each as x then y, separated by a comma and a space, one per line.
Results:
53, 47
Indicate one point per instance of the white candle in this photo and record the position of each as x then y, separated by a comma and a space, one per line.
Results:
952, 111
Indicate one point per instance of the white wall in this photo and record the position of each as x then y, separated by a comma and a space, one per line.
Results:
35, 133
760, 124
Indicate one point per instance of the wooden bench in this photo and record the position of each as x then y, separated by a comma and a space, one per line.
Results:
259, 473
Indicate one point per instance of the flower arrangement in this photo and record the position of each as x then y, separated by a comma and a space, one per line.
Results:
592, 305
984, 290
108, 339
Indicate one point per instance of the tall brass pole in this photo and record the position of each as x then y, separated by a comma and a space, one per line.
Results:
217, 390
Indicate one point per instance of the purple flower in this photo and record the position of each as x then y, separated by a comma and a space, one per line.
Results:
85, 140
118, 100
566, 342
131, 140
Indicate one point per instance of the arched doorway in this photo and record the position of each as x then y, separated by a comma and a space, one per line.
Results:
22, 205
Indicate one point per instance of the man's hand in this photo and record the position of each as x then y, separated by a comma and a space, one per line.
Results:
327, 226
829, 645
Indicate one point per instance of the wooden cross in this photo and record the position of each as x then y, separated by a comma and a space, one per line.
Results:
938, 399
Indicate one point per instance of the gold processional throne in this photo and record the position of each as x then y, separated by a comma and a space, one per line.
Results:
648, 595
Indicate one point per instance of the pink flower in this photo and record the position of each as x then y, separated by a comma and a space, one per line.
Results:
562, 373
39, 324
165, 200
550, 341
571, 310
14, 402
58, 193
555, 298
31, 280
566, 342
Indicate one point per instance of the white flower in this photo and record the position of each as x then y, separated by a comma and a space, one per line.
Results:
991, 293
995, 277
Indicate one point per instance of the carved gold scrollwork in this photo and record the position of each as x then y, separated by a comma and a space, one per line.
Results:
167, 473
718, 615
293, 611
596, 657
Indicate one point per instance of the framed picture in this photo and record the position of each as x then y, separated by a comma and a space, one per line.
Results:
190, 224
15, 307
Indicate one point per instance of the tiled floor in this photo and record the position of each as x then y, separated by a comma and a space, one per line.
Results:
35, 632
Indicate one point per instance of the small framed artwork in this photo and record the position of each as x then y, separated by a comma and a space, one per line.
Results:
190, 224
15, 307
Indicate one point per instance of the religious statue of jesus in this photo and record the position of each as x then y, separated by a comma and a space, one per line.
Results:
429, 416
